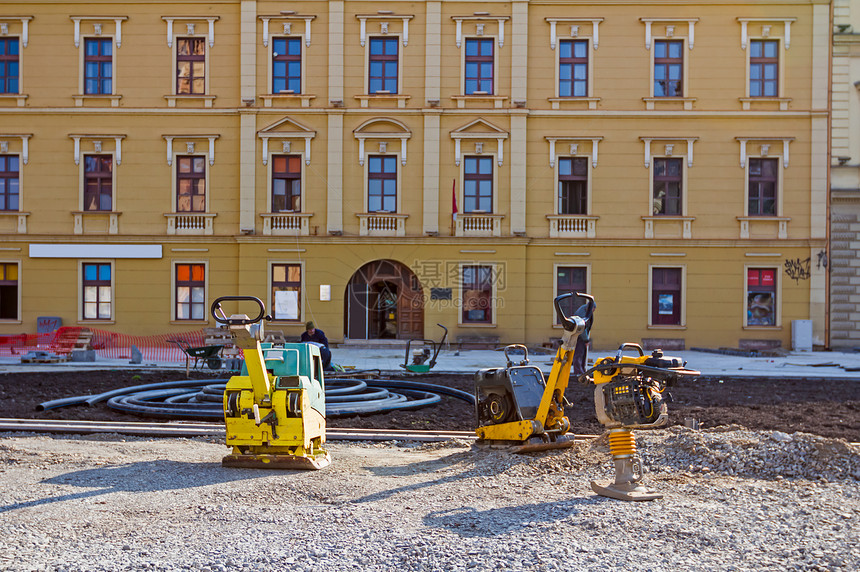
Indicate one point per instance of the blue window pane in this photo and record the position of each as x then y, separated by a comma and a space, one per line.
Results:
755, 50
295, 85
12, 163
3, 44
13, 69
580, 71
675, 49
13, 47
375, 47
12, 86
470, 166
580, 49
376, 68
91, 47
107, 69
3, 69
675, 72
579, 89
375, 164
660, 49
390, 164
294, 69
391, 85
295, 47
106, 86
90, 272
279, 68
564, 167
770, 72
755, 72
564, 89
770, 49
391, 69
471, 69
659, 91
375, 85
471, 47
105, 202
486, 69
374, 203
565, 72
471, 86
659, 72
564, 49
755, 89
92, 69
279, 46
486, 166
770, 89
91, 86
486, 47
279, 85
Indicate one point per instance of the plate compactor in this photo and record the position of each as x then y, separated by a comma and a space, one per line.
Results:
518, 409
274, 411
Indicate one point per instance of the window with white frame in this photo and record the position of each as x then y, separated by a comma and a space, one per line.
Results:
10, 289
477, 294
479, 66
668, 183
761, 290
764, 68
763, 186
382, 183
287, 65
667, 286
190, 291
98, 66
572, 185
98, 182
286, 302
286, 183
190, 66
573, 68
10, 65
477, 184
383, 65
10, 183
668, 68
190, 183
97, 290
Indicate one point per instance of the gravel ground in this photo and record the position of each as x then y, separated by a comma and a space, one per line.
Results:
735, 499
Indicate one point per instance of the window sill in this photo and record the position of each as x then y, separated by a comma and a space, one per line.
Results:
11, 322
81, 99
19, 226
286, 223
665, 327
669, 226
20, 98
758, 223
96, 222
763, 328
207, 100
768, 102
83, 322
190, 223
383, 97
498, 100
287, 99
572, 101
473, 325
185, 322
687, 102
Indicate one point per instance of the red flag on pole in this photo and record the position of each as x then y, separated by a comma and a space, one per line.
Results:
454, 199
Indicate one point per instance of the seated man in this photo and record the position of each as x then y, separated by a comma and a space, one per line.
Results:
317, 336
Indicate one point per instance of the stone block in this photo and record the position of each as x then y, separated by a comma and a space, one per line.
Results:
83, 355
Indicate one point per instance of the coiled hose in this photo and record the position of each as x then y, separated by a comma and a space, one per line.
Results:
202, 399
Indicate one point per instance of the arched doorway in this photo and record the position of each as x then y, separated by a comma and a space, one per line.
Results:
384, 300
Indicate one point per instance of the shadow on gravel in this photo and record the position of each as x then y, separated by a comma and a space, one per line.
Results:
142, 477
472, 523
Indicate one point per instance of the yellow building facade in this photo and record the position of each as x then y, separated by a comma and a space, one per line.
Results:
381, 167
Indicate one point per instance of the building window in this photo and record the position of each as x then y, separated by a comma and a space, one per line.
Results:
98, 66
190, 292
191, 66
478, 185
286, 183
286, 291
479, 66
666, 296
477, 294
668, 68
190, 184
97, 291
761, 296
9, 65
9, 291
382, 68
668, 175
573, 68
98, 183
287, 65
570, 279
382, 183
763, 183
764, 68
573, 186
9, 183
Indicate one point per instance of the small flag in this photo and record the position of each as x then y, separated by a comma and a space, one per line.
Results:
454, 199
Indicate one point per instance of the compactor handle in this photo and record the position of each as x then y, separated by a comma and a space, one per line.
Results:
219, 316
519, 347
566, 322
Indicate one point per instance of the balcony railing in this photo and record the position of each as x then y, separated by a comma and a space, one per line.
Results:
382, 224
479, 224
189, 223
286, 224
571, 226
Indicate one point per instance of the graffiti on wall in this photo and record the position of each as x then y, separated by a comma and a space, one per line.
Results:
797, 269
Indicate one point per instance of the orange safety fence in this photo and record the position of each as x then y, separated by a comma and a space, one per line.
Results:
107, 345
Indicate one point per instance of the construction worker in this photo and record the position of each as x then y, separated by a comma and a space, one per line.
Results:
314, 335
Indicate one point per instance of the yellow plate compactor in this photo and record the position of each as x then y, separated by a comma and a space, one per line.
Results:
274, 411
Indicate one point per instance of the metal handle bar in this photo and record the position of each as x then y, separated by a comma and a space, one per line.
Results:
223, 319
566, 322
517, 346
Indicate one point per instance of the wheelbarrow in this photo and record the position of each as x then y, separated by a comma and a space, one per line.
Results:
430, 350
208, 355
